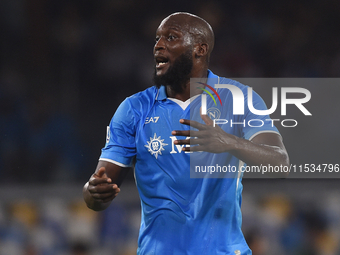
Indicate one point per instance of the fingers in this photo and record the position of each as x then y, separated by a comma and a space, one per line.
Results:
205, 139
196, 134
195, 148
103, 192
101, 172
99, 177
96, 181
207, 120
105, 197
181, 132
196, 124
101, 187
193, 124
193, 141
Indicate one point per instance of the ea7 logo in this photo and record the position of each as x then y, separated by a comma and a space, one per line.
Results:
151, 119
178, 147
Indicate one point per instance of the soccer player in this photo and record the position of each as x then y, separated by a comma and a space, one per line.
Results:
152, 130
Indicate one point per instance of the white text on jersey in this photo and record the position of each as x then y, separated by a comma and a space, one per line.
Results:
179, 147
151, 119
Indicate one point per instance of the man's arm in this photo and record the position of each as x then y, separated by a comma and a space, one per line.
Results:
263, 149
103, 185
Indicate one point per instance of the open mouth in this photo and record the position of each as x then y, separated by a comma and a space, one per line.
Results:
161, 61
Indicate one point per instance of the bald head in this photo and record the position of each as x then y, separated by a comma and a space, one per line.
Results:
182, 50
199, 30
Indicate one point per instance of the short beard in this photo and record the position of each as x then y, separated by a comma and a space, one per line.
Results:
178, 74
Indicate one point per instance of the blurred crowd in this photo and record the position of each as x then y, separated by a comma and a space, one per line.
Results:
274, 222
58, 226
66, 65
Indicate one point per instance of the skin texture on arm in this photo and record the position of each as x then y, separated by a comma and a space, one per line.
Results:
103, 185
264, 149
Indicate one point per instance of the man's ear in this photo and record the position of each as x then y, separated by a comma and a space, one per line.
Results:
201, 50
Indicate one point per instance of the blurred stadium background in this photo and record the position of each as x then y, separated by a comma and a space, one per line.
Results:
66, 65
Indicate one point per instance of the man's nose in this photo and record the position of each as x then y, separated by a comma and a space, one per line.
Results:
160, 44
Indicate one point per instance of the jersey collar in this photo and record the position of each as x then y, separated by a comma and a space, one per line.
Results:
211, 75
161, 93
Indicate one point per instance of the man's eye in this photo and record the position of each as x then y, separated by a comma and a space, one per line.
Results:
156, 39
171, 37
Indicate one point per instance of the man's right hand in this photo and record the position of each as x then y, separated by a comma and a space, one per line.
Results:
101, 187
100, 191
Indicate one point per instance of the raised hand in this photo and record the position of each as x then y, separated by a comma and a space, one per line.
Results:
207, 138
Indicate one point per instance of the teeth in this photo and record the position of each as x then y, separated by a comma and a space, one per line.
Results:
161, 63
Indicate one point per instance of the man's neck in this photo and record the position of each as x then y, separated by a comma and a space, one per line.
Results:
189, 90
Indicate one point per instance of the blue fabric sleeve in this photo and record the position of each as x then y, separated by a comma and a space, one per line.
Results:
120, 147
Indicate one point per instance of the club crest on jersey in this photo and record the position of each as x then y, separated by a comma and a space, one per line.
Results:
155, 145
214, 113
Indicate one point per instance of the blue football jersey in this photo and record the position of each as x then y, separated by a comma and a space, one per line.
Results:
182, 213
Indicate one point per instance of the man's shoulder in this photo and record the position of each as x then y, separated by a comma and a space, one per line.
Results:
225, 80
137, 104
236, 83
143, 97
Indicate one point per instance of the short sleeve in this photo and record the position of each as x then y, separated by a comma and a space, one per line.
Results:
256, 124
120, 147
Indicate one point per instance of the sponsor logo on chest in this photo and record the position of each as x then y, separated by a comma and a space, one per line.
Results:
156, 146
